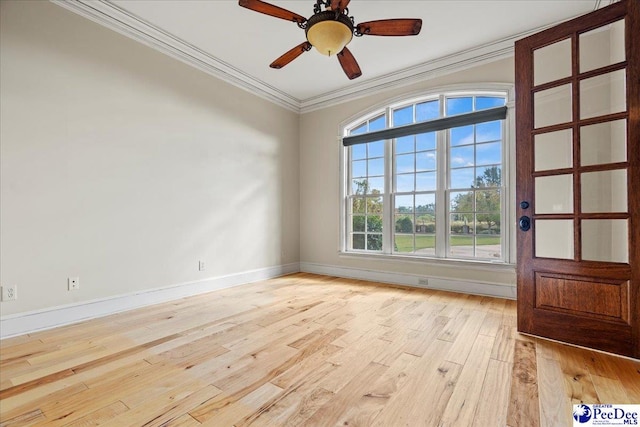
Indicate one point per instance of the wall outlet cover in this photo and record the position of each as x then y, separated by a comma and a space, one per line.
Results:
74, 283
10, 293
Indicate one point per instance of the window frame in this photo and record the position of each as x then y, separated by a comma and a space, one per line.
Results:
442, 231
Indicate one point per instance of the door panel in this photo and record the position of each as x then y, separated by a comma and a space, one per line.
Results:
578, 169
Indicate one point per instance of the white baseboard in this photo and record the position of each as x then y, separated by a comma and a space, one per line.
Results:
454, 285
28, 322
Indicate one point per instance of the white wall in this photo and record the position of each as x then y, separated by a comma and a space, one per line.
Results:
320, 187
125, 167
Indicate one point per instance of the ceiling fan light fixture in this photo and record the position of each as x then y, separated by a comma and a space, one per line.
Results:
329, 33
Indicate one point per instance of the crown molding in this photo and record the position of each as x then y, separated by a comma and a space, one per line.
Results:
429, 70
111, 16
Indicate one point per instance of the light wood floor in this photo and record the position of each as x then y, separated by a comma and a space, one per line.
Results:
306, 350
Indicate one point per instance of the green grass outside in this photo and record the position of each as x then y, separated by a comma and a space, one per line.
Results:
404, 243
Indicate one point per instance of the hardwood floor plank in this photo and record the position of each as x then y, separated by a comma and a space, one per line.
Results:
241, 384
523, 400
466, 337
309, 350
246, 406
555, 407
372, 402
491, 409
166, 408
347, 398
298, 401
101, 415
465, 397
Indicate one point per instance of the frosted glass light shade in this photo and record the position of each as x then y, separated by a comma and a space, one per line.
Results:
329, 37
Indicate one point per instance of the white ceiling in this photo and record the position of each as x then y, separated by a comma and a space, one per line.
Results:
238, 44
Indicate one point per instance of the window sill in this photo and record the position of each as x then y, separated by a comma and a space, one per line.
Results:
439, 262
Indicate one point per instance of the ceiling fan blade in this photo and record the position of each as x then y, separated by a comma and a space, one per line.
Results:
390, 27
272, 10
349, 64
339, 4
291, 55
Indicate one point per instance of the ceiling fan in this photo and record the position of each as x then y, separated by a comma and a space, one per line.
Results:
330, 29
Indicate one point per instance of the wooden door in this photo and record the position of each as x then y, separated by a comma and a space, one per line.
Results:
578, 170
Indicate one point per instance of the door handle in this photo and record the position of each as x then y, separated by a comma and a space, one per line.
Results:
524, 223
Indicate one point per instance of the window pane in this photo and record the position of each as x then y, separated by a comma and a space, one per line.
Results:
425, 224
486, 102
604, 191
376, 185
461, 156
405, 183
488, 201
427, 110
358, 223
374, 205
604, 94
462, 178
403, 243
461, 201
403, 116
405, 144
490, 131
426, 181
359, 169
461, 246
358, 130
426, 141
405, 163
374, 223
357, 241
374, 242
553, 150
459, 105
426, 245
359, 186
375, 149
490, 176
404, 223
488, 223
602, 46
552, 62
357, 206
488, 247
554, 238
462, 135
552, 106
605, 240
490, 153
553, 194
377, 124
426, 203
376, 167
426, 161
404, 204
358, 151
603, 143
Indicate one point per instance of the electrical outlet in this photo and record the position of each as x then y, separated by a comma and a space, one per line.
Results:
423, 281
10, 293
200, 265
74, 283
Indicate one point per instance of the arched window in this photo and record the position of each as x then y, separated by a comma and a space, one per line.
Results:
426, 178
